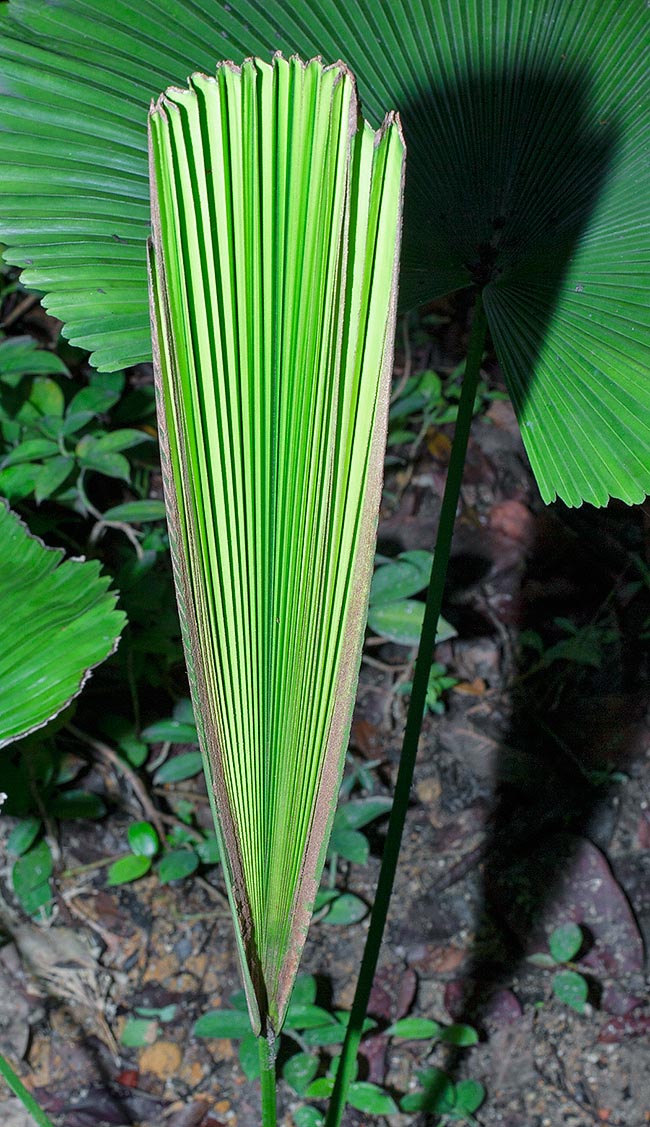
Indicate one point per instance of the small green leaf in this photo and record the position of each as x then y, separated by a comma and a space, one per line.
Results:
415, 1029
33, 449
138, 1032
74, 422
324, 896
332, 1034
307, 1117
541, 959
33, 868
135, 750
299, 1071
221, 1024
162, 1013
143, 839
249, 1056
565, 942
304, 990
238, 1001
351, 845
437, 1095
301, 1015
23, 836
51, 475
208, 850
462, 1035
571, 988
393, 581
93, 458
30, 878
21, 356
469, 1095
401, 622
17, 482
170, 731
117, 440
177, 864
126, 869
184, 766
136, 512
77, 804
346, 909
32, 900
365, 1096
354, 815
320, 1089
103, 393
47, 397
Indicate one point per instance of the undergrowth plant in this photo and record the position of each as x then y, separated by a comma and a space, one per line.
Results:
527, 127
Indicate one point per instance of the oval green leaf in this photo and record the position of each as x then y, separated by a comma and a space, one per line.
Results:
222, 1024
126, 869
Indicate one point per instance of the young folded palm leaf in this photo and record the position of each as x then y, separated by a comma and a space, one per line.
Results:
273, 279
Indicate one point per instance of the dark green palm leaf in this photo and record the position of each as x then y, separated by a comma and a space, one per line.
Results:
528, 126
57, 621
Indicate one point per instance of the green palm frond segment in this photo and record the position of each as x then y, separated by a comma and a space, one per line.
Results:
274, 276
528, 127
57, 621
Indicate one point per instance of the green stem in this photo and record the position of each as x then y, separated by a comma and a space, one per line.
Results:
26, 1098
267, 1081
414, 718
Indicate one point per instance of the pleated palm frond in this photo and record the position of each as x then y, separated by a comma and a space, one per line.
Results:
528, 127
274, 278
57, 621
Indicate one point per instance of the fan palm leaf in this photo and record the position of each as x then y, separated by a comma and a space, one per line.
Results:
274, 275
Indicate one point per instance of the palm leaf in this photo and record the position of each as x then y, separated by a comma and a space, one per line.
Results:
528, 127
276, 217
57, 621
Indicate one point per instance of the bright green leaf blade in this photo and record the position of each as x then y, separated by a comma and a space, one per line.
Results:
276, 216
299, 1071
415, 1029
58, 620
401, 622
181, 767
459, 1035
143, 839
528, 127
177, 864
223, 1023
469, 1095
23, 835
565, 942
249, 1056
569, 987
346, 909
136, 512
128, 868
371, 1098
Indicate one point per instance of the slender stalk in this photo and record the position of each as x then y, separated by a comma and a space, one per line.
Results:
414, 718
267, 1081
26, 1098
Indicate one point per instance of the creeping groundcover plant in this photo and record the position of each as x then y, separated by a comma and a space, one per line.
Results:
276, 219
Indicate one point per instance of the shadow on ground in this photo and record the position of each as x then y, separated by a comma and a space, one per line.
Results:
577, 730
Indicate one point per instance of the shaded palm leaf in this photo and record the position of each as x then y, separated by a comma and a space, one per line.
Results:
57, 621
528, 126
274, 274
